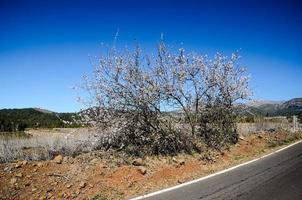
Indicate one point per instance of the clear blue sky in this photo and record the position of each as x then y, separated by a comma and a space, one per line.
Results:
44, 45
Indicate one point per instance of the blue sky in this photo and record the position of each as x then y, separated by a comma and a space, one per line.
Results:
44, 45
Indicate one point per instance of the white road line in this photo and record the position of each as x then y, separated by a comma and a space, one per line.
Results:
211, 175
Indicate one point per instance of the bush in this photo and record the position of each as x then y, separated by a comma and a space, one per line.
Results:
164, 104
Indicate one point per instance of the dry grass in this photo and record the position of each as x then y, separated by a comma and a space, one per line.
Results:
44, 144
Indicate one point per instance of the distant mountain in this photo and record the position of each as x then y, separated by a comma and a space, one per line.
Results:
274, 108
19, 119
257, 103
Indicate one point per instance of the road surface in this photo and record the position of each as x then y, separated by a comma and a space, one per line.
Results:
278, 176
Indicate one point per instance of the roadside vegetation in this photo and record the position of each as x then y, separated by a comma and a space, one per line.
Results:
166, 103
117, 175
44, 144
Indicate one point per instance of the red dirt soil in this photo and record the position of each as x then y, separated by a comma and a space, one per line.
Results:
87, 175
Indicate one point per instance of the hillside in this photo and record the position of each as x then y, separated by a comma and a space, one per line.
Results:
19, 119
274, 108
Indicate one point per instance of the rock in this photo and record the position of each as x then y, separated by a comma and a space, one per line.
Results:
94, 161
24, 162
34, 189
82, 184
260, 136
35, 170
13, 181
39, 164
241, 138
180, 181
20, 175
27, 184
103, 166
58, 159
6, 169
65, 159
138, 162
18, 164
181, 162
68, 185
142, 170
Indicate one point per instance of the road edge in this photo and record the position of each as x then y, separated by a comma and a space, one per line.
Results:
214, 174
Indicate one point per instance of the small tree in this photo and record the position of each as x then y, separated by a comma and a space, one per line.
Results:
230, 85
165, 103
204, 90
125, 101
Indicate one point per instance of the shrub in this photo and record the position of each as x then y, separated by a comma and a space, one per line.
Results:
164, 104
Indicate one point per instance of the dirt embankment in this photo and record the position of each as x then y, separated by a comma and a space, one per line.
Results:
101, 175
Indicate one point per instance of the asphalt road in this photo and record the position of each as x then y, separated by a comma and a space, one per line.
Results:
278, 176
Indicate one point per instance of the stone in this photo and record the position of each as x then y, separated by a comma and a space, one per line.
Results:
18, 164
68, 185
39, 164
103, 166
180, 181
24, 162
82, 184
94, 161
19, 175
138, 162
58, 159
142, 170
181, 162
